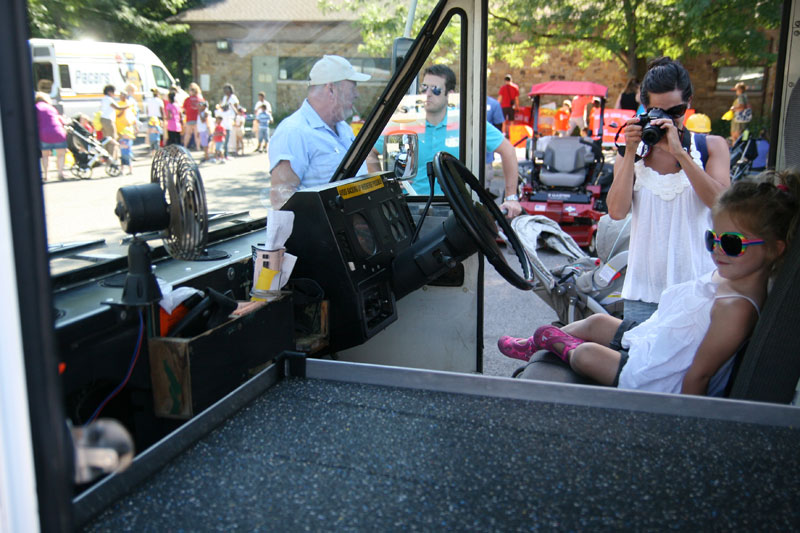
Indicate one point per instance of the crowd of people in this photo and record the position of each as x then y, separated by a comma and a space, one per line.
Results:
169, 117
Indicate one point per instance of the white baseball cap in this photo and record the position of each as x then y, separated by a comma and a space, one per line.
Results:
331, 69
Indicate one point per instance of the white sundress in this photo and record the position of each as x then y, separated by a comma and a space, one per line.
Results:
662, 348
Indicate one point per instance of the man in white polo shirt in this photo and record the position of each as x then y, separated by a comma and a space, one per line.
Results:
309, 144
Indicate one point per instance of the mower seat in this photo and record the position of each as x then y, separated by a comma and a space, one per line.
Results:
565, 161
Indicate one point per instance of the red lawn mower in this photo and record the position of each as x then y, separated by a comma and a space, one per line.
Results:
564, 176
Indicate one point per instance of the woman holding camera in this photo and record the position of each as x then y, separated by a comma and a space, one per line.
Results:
663, 181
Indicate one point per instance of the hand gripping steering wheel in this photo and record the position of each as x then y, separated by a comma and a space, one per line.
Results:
480, 218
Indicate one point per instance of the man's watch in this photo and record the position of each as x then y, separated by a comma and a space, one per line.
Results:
511, 198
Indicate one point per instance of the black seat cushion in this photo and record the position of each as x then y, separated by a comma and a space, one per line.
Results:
547, 366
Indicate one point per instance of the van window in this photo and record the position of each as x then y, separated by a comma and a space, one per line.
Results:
41, 51
63, 74
43, 77
161, 77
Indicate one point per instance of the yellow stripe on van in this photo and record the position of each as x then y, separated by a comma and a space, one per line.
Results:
82, 96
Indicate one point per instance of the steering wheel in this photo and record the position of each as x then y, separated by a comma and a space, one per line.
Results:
480, 219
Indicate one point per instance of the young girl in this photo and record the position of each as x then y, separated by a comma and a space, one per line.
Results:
688, 344
154, 134
238, 131
173, 120
202, 128
219, 140
126, 148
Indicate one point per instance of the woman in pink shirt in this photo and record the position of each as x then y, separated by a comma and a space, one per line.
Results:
52, 134
173, 120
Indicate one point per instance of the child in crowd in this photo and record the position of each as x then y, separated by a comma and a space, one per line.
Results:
126, 148
687, 345
154, 132
238, 131
219, 141
202, 128
263, 119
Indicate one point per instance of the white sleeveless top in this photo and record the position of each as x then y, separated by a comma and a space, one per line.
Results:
668, 224
662, 348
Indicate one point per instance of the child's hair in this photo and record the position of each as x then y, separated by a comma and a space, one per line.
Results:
767, 205
219, 118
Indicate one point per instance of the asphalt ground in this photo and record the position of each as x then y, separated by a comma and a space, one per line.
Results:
80, 210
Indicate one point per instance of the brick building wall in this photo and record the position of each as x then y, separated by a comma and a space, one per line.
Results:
235, 67
565, 66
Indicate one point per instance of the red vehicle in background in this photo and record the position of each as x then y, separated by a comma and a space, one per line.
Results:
563, 176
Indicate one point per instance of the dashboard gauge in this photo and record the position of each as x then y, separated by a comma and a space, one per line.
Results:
364, 235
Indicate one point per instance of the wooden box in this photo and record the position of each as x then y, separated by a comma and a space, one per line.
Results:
190, 374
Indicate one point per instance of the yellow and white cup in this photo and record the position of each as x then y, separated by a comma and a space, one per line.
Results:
267, 268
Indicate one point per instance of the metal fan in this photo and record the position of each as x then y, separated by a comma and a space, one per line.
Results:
172, 206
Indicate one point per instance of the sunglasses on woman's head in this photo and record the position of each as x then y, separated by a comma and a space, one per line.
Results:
732, 243
675, 111
423, 88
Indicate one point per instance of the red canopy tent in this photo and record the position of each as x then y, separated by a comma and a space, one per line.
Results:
570, 87
580, 88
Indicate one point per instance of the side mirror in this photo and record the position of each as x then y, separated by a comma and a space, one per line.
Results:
401, 153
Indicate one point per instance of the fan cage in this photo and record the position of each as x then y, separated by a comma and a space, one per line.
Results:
177, 174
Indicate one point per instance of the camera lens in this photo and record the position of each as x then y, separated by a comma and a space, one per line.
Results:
651, 134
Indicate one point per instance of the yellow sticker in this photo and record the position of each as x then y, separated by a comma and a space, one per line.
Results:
266, 278
360, 187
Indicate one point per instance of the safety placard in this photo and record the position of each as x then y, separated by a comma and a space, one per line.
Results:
360, 187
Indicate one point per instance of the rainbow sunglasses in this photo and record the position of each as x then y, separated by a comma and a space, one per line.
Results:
732, 243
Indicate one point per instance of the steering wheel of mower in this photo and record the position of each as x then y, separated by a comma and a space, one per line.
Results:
480, 218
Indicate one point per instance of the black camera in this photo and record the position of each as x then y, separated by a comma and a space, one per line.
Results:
652, 133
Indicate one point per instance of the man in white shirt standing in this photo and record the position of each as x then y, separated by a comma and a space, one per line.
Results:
309, 144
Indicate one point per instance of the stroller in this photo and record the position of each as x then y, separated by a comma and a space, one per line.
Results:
585, 285
744, 153
582, 287
88, 152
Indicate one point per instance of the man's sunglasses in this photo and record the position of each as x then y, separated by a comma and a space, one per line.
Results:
675, 111
733, 244
423, 88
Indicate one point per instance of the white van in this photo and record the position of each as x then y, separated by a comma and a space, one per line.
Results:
74, 73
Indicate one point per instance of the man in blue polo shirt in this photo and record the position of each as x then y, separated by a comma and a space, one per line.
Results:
309, 144
438, 82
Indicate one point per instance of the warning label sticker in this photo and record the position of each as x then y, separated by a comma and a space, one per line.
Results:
360, 187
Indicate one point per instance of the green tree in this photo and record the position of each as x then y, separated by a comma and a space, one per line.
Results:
627, 31
133, 21
381, 21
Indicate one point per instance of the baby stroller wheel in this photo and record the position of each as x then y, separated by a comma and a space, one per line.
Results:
113, 169
76, 170
83, 173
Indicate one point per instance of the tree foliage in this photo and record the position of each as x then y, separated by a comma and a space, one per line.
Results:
381, 21
132, 21
627, 31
